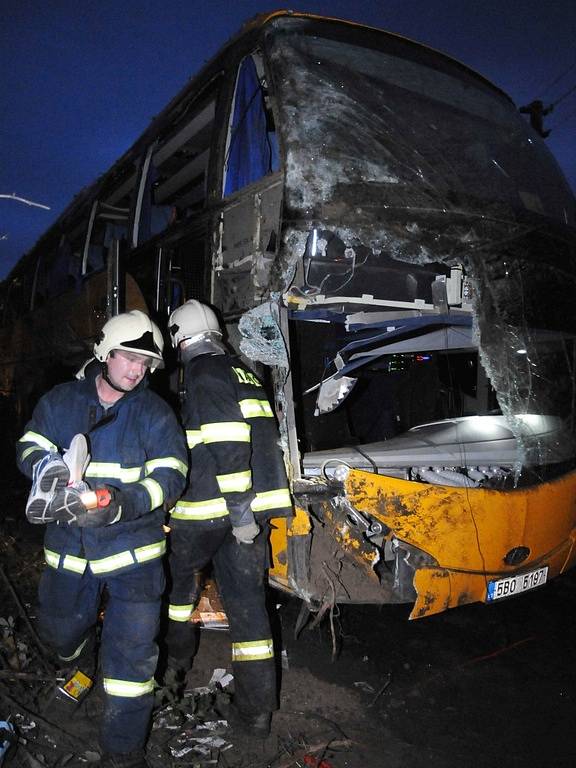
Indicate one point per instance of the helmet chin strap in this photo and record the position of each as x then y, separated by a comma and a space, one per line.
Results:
109, 381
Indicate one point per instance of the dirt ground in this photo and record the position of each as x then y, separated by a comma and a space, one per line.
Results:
477, 687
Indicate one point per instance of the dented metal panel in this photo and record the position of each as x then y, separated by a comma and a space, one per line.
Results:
468, 532
247, 247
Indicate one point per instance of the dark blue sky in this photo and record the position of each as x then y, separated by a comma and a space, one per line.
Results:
80, 80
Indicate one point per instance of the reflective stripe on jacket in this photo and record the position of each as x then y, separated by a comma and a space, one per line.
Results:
235, 458
136, 446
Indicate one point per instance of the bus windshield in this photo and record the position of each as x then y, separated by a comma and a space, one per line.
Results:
430, 137
404, 155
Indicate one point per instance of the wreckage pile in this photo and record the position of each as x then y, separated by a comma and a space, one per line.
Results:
42, 727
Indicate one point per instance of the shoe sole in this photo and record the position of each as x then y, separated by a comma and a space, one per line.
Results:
54, 479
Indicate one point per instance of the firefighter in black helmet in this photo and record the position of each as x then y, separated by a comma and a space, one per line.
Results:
237, 483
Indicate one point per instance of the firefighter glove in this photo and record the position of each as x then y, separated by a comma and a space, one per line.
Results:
245, 534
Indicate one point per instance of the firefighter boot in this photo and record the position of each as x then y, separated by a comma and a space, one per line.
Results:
136, 759
173, 682
252, 724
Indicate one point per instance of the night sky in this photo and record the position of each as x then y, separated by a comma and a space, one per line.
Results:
82, 79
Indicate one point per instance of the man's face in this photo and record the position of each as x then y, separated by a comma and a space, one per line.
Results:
127, 369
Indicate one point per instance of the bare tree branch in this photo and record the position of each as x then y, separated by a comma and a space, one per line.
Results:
14, 196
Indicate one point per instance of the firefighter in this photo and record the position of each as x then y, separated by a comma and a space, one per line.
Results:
237, 483
137, 453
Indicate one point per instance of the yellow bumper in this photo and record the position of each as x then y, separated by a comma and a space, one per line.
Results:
468, 532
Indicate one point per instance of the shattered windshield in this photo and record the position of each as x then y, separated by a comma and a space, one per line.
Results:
430, 137
395, 154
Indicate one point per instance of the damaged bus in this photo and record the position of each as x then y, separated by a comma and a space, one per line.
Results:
393, 248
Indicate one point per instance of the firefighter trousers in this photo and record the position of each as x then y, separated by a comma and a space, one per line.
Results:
240, 571
67, 614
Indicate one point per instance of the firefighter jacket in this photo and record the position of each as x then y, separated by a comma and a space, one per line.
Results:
237, 471
136, 446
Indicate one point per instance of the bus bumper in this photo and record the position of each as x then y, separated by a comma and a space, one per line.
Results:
470, 537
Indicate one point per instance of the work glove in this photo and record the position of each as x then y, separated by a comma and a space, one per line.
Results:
245, 534
69, 507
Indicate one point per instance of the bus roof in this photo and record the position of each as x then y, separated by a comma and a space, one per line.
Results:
250, 28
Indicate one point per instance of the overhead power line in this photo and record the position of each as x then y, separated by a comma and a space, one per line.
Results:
565, 119
557, 79
568, 92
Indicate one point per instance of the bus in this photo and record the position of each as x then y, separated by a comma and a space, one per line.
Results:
392, 248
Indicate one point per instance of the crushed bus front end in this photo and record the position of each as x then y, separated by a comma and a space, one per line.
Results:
424, 291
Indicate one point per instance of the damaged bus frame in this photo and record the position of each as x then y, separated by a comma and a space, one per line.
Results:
393, 248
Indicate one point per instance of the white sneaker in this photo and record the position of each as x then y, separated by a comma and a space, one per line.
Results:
49, 475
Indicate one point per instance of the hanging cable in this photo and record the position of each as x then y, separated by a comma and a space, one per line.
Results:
568, 92
556, 80
569, 116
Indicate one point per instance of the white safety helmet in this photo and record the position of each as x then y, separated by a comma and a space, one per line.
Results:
192, 319
131, 332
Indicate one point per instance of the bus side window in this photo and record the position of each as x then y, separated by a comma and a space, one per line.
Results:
252, 147
111, 224
17, 299
57, 272
174, 182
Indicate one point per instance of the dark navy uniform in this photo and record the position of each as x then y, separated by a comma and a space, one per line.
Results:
137, 447
237, 476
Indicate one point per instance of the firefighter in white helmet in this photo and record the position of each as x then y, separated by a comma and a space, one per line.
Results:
138, 463
237, 483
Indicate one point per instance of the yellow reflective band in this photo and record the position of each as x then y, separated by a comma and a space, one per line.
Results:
254, 651
200, 510
154, 491
235, 482
122, 559
76, 653
193, 437
271, 500
126, 688
70, 562
150, 551
34, 437
30, 450
112, 563
107, 564
169, 462
109, 469
254, 408
75, 564
180, 612
52, 558
226, 431
245, 377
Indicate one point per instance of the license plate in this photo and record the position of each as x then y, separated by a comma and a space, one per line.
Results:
515, 585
